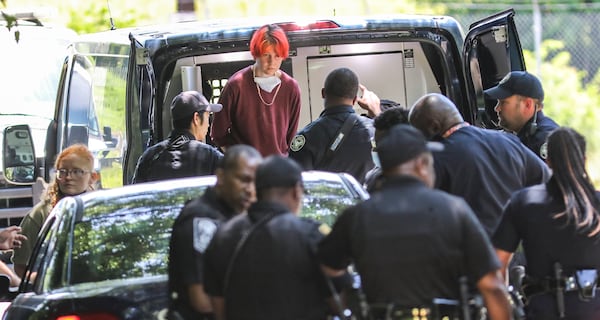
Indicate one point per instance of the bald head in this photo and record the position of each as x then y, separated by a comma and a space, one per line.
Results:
433, 114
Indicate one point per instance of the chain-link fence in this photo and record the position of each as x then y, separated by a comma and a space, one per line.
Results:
575, 25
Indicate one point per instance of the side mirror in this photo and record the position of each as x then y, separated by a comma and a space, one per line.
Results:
18, 162
110, 141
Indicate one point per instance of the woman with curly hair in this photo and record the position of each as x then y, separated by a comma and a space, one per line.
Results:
74, 168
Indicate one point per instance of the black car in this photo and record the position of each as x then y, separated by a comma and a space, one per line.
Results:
103, 255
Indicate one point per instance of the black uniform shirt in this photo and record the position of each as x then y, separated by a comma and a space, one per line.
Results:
179, 156
485, 167
192, 231
536, 142
353, 155
410, 244
528, 217
276, 274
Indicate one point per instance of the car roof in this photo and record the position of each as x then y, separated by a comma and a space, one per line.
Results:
92, 198
156, 36
30, 32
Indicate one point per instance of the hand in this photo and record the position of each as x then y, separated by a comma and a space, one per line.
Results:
11, 238
369, 101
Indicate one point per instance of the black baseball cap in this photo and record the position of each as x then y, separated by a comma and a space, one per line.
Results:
522, 83
277, 171
186, 103
402, 143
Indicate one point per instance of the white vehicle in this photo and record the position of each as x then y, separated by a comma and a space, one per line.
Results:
136, 72
30, 72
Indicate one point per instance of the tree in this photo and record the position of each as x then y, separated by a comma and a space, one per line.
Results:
568, 100
10, 19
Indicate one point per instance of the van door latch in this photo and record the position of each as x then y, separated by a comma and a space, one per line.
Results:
499, 33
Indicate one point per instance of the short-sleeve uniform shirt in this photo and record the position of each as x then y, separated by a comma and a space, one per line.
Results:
276, 274
192, 232
529, 219
410, 244
485, 167
536, 142
352, 155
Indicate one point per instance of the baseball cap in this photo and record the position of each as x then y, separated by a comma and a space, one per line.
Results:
186, 103
277, 171
402, 143
522, 83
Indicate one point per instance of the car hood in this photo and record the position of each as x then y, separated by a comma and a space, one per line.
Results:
140, 298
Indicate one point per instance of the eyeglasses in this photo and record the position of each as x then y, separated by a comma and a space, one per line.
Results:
75, 173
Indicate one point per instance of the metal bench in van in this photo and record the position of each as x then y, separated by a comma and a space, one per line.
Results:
133, 74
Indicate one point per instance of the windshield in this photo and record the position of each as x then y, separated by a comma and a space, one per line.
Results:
30, 71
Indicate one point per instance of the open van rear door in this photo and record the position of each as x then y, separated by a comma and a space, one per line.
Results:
491, 50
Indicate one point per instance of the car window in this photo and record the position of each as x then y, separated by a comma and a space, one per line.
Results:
95, 111
51, 250
30, 77
127, 237
325, 199
31, 71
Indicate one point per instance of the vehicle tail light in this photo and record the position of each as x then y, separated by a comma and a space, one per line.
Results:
315, 25
89, 316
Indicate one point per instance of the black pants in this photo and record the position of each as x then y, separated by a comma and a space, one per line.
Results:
543, 307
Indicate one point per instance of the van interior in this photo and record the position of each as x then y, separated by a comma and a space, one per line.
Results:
397, 71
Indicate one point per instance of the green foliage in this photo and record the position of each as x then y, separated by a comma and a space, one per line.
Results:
567, 100
95, 16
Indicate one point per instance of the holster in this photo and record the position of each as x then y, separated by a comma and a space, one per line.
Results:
587, 281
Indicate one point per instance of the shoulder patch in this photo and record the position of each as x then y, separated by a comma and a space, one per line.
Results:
544, 150
297, 143
324, 229
204, 230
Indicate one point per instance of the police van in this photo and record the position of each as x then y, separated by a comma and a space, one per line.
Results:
30, 69
128, 77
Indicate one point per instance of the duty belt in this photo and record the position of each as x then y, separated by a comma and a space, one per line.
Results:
532, 288
392, 312
439, 309
584, 281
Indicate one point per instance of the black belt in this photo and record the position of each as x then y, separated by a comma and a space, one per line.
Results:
379, 311
567, 284
393, 312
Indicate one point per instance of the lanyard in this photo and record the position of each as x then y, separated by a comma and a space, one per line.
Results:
454, 128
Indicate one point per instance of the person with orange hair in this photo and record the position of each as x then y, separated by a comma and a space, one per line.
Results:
261, 103
75, 175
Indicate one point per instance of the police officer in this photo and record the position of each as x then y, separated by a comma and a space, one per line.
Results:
339, 140
410, 243
558, 224
482, 166
194, 227
184, 153
390, 117
520, 101
262, 265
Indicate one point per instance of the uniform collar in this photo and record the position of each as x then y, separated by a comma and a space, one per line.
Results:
261, 209
401, 181
524, 132
181, 134
337, 109
210, 196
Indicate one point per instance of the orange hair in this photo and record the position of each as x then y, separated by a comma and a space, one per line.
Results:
269, 36
53, 193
